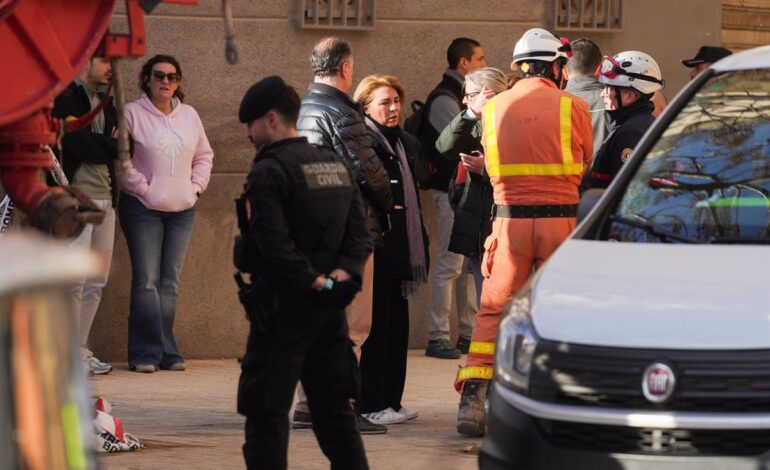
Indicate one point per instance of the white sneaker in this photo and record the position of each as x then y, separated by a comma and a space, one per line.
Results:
385, 417
410, 414
96, 366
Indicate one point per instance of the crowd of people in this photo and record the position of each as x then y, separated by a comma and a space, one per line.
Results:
332, 233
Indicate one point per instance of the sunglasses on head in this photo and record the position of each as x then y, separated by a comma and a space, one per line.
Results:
172, 77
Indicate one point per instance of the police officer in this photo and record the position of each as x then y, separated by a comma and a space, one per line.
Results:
304, 242
630, 78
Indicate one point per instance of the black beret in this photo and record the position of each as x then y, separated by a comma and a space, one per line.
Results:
260, 98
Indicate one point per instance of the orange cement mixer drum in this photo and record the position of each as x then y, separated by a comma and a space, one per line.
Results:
43, 46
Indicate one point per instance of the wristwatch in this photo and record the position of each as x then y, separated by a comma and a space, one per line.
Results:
329, 284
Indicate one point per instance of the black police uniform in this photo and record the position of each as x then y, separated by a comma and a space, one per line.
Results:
304, 216
627, 126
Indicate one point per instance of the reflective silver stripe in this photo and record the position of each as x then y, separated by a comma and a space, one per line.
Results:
634, 418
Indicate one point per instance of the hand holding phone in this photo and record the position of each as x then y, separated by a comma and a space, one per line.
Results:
474, 162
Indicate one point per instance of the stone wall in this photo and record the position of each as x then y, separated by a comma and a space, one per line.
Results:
409, 40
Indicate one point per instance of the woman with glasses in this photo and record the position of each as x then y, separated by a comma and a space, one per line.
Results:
471, 191
400, 261
170, 168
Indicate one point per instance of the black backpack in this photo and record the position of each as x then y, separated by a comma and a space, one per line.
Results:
416, 124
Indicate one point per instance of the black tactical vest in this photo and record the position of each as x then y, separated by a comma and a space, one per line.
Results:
320, 195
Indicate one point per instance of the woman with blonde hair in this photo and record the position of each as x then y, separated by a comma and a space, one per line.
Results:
471, 191
400, 260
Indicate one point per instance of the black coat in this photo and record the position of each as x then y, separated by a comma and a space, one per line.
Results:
391, 256
473, 200
84, 146
627, 126
330, 119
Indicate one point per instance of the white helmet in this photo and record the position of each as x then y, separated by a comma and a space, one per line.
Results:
631, 69
539, 44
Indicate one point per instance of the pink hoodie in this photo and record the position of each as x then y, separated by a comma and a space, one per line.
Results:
172, 157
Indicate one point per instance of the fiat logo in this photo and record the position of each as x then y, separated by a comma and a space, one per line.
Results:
658, 382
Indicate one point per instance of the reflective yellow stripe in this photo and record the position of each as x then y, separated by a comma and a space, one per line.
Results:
565, 130
538, 169
491, 152
566, 168
482, 348
476, 372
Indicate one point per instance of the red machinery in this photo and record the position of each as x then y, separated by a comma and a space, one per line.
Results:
43, 45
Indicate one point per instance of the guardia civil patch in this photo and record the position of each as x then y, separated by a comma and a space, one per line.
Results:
325, 175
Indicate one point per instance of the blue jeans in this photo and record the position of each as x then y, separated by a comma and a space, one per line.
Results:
478, 277
157, 243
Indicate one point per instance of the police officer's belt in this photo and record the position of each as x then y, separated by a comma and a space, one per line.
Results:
534, 212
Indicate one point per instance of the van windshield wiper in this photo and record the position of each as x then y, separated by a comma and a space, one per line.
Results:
653, 230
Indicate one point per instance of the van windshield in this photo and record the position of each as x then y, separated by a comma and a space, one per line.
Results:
707, 179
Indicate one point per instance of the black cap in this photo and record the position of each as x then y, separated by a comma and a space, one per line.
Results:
260, 98
708, 54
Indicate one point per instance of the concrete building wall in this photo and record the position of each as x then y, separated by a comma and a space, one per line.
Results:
409, 40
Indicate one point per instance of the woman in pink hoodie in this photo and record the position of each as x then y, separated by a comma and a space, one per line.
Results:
170, 168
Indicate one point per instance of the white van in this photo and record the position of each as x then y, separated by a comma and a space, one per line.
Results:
644, 342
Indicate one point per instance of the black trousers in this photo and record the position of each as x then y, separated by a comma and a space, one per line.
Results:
309, 343
383, 355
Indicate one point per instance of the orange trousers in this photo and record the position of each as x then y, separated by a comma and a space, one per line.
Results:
515, 248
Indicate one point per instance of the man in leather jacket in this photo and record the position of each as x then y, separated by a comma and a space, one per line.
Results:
329, 118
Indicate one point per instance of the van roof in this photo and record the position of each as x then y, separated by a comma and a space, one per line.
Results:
757, 58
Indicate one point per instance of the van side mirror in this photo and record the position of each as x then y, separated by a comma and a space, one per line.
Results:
587, 202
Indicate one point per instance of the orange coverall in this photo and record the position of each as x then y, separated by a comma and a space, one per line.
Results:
538, 142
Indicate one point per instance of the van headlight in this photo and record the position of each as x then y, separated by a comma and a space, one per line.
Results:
516, 344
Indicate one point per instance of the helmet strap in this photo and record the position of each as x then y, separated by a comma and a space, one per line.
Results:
618, 98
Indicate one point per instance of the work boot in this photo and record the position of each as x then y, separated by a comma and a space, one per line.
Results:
472, 416
463, 344
442, 349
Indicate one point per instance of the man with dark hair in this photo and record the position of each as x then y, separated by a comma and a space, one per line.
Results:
304, 241
87, 157
581, 73
464, 55
706, 56
329, 118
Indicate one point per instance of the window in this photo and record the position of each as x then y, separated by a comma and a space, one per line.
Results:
588, 15
337, 14
707, 179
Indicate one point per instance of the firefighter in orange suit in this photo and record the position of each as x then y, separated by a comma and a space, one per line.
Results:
538, 142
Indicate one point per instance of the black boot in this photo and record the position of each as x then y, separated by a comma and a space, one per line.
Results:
472, 417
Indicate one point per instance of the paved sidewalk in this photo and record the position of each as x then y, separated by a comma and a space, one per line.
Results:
188, 420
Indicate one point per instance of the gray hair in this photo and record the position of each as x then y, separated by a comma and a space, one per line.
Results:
328, 56
489, 78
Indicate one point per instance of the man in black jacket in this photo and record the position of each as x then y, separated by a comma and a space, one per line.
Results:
87, 156
304, 238
630, 78
329, 118
464, 55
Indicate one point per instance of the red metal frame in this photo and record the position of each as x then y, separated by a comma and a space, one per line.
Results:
51, 56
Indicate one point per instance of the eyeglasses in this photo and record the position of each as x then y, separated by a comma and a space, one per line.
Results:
470, 96
172, 77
